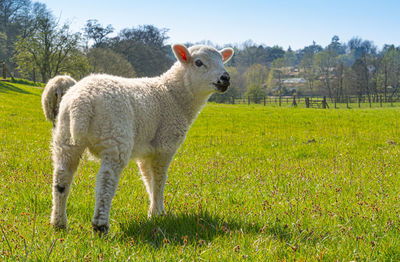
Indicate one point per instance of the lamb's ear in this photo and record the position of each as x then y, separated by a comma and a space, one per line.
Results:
227, 54
181, 53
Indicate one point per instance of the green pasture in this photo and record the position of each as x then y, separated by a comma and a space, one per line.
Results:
250, 183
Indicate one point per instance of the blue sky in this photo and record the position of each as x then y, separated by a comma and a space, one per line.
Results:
284, 23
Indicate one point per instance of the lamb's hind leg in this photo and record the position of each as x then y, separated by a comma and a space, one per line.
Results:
66, 160
113, 161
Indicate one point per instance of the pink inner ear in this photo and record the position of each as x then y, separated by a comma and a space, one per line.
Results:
182, 53
226, 54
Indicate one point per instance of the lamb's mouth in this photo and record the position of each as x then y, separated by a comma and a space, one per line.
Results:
221, 86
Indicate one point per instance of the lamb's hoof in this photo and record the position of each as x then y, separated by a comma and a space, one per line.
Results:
100, 230
58, 226
153, 214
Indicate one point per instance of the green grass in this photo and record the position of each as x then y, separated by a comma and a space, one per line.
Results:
250, 183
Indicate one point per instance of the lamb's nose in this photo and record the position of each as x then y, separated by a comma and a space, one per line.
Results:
225, 77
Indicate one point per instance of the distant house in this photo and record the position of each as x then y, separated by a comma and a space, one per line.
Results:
294, 81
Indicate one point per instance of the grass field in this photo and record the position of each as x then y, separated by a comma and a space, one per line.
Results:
250, 183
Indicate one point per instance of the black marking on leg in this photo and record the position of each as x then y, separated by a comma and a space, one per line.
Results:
60, 189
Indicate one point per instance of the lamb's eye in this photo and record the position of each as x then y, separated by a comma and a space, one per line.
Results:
198, 62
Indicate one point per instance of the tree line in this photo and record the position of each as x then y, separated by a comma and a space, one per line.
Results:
337, 70
35, 45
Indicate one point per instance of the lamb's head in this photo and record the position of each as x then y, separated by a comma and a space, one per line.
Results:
204, 69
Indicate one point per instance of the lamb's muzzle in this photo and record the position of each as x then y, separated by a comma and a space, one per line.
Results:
223, 82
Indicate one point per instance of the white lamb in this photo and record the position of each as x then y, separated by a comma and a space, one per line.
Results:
52, 94
145, 119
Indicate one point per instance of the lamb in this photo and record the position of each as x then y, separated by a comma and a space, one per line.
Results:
52, 94
145, 119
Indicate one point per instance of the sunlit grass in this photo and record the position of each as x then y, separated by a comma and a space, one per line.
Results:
250, 182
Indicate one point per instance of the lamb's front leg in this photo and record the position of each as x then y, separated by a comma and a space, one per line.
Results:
154, 172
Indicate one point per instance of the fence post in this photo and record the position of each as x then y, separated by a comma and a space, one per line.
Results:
307, 102
294, 101
280, 100
324, 103
359, 101
265, 101
335, 101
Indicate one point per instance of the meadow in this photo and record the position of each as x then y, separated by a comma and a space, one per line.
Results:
250, 183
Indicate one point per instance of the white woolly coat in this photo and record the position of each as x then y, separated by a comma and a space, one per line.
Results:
148, 115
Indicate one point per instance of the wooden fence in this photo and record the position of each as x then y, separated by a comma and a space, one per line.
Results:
319, 102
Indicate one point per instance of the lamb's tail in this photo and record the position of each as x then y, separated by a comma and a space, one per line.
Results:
80, 114
52, 95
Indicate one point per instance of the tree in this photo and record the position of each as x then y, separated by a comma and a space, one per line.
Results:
96, 32
10, 11
256, 74
338, 83
360, 76
104, 60
251, 54
363, 53
3, 46
46, 48
275, 77
146, 34
275, 52
389, 69
392, 58
255, 92
144, 48
336, 47
311, 49
307, 65
14, 17
290, 57
360, 48
76, 64
325, 62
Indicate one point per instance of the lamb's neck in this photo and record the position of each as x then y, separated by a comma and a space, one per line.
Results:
189, 102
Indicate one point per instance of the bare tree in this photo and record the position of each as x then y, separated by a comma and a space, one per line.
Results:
47, 47
96, 32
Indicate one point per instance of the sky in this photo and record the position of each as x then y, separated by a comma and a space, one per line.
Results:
294, 23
